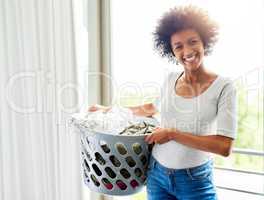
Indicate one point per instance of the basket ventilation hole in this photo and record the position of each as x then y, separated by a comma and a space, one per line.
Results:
95, 181
125, 173
104, 146
130, 161
97, 170
138, 172
121, 185
99, 158
87, 155
86, 165
85, 175
134, 184
110, 172
90, 144
137, 148
121, 149
107, 183
115, 161
143, 159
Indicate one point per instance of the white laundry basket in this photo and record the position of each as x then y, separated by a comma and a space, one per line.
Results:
114, 164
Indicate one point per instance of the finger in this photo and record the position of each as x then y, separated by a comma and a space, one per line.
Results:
92, 108
152, 139
149, 138
162, 141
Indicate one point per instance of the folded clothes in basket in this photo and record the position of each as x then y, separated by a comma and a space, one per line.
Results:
140, 128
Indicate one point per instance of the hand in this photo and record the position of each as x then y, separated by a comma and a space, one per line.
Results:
159, 135
97, 107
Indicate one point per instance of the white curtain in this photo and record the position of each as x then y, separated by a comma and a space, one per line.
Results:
39, 156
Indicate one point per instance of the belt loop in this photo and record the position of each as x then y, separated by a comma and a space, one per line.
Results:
189, 173
153, 162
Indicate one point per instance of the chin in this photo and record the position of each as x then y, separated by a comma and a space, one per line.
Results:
192, 68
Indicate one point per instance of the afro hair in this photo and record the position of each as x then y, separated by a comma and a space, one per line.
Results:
182, 18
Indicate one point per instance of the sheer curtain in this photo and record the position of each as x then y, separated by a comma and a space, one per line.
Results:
39, 156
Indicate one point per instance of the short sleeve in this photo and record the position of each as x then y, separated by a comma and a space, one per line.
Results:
227, 111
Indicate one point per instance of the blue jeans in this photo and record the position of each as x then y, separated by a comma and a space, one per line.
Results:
180, 184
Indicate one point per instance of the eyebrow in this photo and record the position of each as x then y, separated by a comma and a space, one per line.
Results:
176, 43
191, 38
194, 37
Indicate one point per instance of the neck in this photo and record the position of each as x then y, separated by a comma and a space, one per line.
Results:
197, 76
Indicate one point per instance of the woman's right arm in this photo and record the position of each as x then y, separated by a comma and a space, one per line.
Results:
146, 110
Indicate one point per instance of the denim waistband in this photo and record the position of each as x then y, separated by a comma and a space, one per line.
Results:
154, 163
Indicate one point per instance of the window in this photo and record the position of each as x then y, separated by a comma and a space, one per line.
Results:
138, 73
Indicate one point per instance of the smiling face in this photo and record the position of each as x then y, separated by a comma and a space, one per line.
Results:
188, 48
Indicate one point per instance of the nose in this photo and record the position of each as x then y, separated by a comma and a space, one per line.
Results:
187, 52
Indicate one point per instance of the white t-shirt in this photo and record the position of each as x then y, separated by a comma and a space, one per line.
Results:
211, 113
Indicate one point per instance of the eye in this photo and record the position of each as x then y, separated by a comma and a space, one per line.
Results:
177, 47
194, 42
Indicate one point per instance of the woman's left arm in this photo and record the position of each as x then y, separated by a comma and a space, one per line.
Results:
217, 144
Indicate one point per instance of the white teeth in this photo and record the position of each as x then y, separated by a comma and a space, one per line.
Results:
190, 59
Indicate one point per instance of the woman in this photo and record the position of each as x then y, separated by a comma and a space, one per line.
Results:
197, 109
